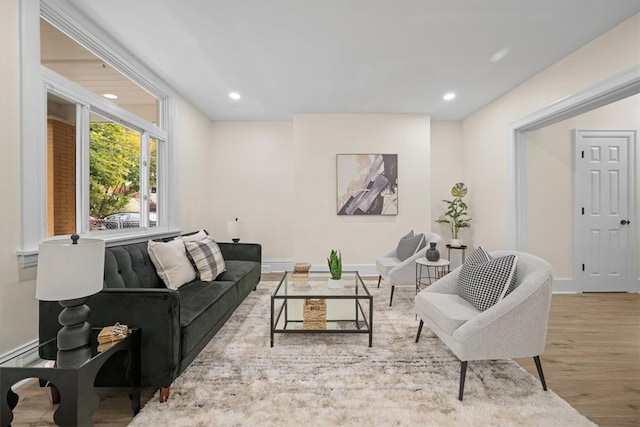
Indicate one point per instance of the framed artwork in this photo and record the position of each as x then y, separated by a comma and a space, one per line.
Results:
367, 184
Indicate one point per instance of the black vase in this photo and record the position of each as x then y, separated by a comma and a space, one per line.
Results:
432, 253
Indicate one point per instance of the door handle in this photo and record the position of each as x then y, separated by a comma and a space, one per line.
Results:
625, 222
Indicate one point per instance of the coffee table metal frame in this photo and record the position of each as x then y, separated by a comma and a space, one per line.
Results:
363, 323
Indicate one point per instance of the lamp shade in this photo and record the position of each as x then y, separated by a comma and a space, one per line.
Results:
234, 228
68, 271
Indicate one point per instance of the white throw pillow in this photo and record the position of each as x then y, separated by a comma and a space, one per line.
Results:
171, 262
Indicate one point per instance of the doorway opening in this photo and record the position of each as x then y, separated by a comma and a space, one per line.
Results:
606, 92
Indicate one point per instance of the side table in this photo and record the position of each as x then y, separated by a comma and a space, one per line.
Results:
440, 268
78, 400
456, 248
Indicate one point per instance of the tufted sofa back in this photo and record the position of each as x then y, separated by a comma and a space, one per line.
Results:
129, 266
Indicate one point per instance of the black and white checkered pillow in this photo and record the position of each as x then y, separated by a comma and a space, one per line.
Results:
479, 255
207, 257
483, 284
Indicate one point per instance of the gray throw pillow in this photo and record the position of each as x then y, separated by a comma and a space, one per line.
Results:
408, 246
484, 283
409, 234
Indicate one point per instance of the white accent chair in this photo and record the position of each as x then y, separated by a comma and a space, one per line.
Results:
397, 272
515, 327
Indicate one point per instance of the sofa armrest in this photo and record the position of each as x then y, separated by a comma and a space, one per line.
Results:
241, 251
155, 311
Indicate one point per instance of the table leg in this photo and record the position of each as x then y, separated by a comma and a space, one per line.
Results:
7, 405
78, 400
370, 322
133, 375
55, 394
272, 322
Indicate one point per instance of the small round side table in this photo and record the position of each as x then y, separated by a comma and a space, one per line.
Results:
440, 268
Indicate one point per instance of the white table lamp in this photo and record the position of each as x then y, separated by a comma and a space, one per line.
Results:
234, 229
69, 271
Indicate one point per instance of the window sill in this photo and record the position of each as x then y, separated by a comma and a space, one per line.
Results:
29, 258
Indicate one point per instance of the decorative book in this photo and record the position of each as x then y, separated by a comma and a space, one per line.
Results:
110, 335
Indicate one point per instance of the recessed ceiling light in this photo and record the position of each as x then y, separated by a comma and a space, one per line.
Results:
110, 96
234, 95
449, 96
499, 55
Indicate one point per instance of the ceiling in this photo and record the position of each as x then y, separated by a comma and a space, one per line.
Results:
294, 57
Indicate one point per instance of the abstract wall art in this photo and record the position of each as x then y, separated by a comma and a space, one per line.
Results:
367, 184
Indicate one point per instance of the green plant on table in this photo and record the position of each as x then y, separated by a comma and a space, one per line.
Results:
335, 264
456, 215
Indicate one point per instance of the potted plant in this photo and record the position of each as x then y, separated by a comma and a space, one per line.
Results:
456, 215
335, 268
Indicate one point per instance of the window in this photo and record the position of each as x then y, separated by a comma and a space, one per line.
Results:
95, 166
114, 176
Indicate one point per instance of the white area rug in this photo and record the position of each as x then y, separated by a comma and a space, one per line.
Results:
337, 380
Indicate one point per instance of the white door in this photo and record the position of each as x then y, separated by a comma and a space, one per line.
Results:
603, 173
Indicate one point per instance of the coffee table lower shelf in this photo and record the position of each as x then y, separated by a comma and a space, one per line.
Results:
331, 326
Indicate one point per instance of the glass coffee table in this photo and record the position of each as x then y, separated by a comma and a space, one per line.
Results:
306, 304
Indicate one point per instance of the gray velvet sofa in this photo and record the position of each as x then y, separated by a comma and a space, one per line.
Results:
176, 324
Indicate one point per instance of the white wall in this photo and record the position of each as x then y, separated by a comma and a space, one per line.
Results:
446, 170
485, 132
280, 178
252, 166
317, 227
18, 306
550, 180
195, 172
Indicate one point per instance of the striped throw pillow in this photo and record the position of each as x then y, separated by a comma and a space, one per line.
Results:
207, 257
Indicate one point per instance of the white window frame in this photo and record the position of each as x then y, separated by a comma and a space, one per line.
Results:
37, 81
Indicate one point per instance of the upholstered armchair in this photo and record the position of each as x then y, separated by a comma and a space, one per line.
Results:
515, 327
398, 272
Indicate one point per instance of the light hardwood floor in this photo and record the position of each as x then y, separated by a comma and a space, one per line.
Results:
592, 357
592, 360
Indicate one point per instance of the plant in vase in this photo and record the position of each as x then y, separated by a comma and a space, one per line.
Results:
456, 215
335, 268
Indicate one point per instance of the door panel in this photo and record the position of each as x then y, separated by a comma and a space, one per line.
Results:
602, 172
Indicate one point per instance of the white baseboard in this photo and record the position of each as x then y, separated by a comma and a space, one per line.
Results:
564, 286
277, 265
569, 286
18, 350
